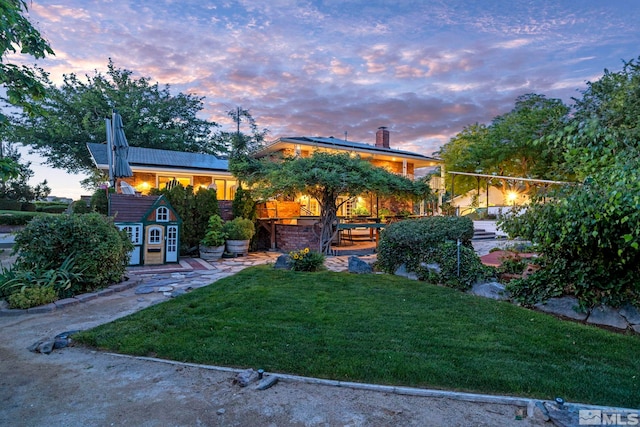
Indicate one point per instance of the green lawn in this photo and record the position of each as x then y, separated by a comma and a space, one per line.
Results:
382, 329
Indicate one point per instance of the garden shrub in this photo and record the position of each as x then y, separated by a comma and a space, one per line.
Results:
88, 244
306, 260
99, 200
589, 236
410, 241
243, 205
51, 207
194, 209
18, 218
80, 207
32, 297
239, 229
10, 205
54, 209
63, 280
28, 207
418, 243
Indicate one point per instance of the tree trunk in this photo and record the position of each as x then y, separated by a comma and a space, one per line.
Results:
328, 224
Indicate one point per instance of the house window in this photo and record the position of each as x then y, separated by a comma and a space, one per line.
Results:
162, 214
134, 232
221, 185
171, 181
155, 235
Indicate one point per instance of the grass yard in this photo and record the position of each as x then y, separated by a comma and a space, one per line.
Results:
381, 329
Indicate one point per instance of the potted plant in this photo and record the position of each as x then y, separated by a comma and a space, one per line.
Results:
239, 232
213, 243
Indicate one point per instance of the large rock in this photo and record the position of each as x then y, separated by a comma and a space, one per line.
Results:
607, 316
631, 313
563, 306
434, 267
493, 290
358, 266
283, 262
402, 271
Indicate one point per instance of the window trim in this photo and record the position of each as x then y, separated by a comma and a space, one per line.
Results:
162, 214
150, 234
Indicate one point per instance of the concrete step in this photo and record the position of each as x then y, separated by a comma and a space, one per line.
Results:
483, 235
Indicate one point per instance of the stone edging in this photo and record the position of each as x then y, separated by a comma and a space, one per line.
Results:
133, 281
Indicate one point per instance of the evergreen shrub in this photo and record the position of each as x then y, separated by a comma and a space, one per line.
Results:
90, 243
421, 243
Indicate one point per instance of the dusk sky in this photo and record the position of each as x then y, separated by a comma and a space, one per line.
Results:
424, 69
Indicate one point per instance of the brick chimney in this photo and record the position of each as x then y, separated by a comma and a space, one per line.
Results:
382, 137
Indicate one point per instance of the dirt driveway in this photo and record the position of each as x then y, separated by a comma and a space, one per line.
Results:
79, 387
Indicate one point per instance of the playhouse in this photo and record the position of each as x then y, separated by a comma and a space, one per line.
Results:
151, 223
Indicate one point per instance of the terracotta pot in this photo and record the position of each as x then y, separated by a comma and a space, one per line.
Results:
238, 247
211, 253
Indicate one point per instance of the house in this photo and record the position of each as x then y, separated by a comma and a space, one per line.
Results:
152, 225
154, 168
381, 154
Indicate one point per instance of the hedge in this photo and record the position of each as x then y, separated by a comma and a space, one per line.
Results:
417, 243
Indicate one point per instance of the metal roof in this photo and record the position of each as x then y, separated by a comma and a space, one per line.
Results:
341, 144
153, 157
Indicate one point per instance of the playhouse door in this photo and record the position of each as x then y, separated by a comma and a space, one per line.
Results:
172, 243
155, 245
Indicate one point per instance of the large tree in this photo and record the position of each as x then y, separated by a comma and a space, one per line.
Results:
74, 114
242, 145
512, 144
21, 84
325, 177
460, 154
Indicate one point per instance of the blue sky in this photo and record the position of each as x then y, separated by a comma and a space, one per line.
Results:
424, 69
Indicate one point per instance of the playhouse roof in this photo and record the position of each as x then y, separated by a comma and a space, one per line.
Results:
130, 208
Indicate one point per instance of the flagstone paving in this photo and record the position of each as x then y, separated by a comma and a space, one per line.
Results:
194, 273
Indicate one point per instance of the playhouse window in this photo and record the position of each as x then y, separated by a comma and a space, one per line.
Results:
134, 232
155, 235
162, 214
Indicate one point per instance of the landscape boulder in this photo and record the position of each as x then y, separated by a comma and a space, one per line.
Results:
563, 306
402, 271
283, 262
607, 316
358, 266
493, 290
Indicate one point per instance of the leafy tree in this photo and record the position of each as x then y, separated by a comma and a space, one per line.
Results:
75, 113
614, 100
325, 177
242, 145
20, 83
512, 145
8, 169
17, 187
461, 154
